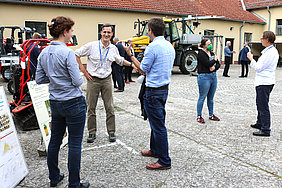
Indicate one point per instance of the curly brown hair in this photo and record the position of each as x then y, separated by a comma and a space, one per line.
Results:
59, 25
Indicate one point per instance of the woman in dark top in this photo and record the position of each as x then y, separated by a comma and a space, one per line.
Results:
207, 80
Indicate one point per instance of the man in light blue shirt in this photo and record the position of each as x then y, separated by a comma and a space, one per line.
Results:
227, 59
157, 65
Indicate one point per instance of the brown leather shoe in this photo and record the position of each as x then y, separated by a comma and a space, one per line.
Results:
118, 90
157, 166
148, 153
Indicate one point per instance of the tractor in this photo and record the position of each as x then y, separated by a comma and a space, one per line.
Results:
185, 45
21, 105
9, 55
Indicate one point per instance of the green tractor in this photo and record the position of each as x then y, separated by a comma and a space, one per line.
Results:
185, 45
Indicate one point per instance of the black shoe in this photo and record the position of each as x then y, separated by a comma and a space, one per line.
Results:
241, 76
261, 133
226, 76
61, 177
91, 138
256, 126
246, 76
112, 137
84, 185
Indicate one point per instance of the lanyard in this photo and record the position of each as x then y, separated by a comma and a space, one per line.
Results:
268, 48
101, 58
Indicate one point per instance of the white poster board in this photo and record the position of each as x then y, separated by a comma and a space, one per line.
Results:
40, 99
13, 167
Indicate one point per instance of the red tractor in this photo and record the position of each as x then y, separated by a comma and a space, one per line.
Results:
21, 105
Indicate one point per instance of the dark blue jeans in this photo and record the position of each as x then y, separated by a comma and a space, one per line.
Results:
154, 104
207, 84
71, 114
262, 99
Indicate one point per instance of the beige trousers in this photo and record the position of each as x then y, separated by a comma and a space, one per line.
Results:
94, 88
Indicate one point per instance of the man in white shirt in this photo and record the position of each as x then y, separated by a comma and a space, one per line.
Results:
100, 55
264, 81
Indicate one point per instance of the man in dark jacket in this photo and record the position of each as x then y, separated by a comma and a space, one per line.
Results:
117, 70
243, 59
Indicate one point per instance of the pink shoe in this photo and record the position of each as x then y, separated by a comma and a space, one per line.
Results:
127, 82
214, 118
200, 119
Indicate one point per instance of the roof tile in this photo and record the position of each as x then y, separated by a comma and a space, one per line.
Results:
231, 9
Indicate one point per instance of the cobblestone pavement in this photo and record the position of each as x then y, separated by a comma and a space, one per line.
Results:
214, 154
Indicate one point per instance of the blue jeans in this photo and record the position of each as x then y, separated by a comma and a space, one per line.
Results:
154, 104
71, 114
262, 99
207, 83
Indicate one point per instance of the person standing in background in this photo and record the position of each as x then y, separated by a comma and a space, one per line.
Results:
117, 69
227, 59
128, 70
244, 60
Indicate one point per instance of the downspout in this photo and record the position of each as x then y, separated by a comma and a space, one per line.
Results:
240, 40
269, 17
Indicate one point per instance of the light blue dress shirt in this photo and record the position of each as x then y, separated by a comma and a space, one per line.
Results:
57, 66
227, 51
158, 62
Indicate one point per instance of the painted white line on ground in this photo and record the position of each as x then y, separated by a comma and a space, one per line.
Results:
97, 147
117, 99
127, 147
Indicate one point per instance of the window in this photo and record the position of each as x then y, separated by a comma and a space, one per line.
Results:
175, 35
247, 37
39, 27
99, 32
279, 27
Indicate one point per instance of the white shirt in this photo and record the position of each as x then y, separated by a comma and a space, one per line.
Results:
99, 65
265, 66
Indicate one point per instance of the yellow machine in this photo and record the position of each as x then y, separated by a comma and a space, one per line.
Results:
185, 42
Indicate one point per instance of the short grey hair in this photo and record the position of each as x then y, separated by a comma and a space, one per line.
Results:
228, 42
116, 39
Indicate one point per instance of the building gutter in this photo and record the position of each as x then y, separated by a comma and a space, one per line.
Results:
269, 17
235, 20
240, 38
260, 7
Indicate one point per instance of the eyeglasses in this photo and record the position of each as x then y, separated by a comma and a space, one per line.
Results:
107, 32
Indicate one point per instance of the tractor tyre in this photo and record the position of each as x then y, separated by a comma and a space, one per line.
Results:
140, 56
189, 62
26, 120
11, 87
6, 73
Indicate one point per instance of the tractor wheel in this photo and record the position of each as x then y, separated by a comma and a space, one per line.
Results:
189, 62
11, 87
6, 73
140, 56
26, 120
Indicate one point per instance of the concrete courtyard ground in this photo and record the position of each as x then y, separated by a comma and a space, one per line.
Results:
214, 154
